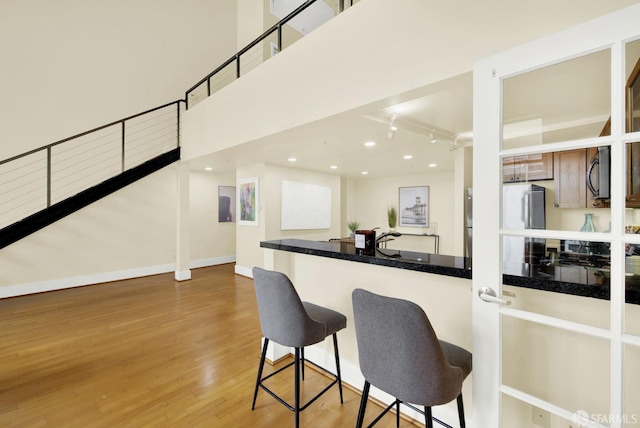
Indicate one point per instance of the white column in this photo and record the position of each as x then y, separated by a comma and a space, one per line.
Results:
182, 223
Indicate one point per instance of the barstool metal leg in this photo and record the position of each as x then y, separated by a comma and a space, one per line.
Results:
302, 361
397, 413
363, 404
428, 417
297, 387
260, 367
461, 411
335, 349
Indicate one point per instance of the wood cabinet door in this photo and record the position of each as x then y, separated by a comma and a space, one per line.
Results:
508, 172
570, 178
633, 175
527, 168
538, 167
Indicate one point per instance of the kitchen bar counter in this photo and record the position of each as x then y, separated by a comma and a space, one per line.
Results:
573, 280
423, 262
326, 273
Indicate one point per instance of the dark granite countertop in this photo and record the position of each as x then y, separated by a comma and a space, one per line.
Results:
583, 282
432, 263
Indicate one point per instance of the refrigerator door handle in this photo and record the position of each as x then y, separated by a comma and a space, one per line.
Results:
527, 214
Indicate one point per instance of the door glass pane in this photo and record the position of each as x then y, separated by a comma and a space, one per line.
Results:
516, 413
566, 101
568, 369
632, 295
631, 386
632, 61
537, 269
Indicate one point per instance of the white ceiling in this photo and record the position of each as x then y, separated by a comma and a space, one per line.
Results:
444, 109
339, 140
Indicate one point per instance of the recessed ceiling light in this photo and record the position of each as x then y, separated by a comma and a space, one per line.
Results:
407, 157
334, 167
433, 165
208, 168
370, 143
364, 173
292, 159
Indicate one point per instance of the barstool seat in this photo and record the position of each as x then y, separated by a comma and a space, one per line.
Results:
288, 321
400, 354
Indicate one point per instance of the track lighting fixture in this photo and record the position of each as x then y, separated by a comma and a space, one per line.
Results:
392, 128
432, 137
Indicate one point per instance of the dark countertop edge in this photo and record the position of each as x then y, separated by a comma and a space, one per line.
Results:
380, 261
601, 292
594, 291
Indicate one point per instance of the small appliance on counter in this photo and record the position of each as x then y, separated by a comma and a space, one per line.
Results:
365, 242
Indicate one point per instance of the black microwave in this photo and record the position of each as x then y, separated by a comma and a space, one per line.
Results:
599, 174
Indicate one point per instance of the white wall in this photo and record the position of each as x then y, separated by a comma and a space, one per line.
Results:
270, 177
131, 232
248, 251
275, 176
374, 196
72, 65
209, 238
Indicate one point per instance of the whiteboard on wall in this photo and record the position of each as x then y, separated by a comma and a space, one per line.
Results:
305, 206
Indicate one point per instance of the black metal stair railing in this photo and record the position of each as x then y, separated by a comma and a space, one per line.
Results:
232, 68
43, 185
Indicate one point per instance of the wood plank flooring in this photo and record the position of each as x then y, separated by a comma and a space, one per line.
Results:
149, 352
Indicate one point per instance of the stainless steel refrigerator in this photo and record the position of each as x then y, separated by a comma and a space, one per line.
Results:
523, 208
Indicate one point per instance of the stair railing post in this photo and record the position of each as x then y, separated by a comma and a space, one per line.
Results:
279, 37
122, 162
237, 66
48, 176
178, 124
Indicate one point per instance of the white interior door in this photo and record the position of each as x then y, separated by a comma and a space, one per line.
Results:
568, 357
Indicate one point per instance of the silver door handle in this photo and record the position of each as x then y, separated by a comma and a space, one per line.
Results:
489, 295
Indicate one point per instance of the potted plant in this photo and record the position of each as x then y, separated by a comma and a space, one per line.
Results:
392, 217
353, 225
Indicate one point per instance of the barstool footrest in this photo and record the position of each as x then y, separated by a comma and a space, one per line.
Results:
412, 407
284, 403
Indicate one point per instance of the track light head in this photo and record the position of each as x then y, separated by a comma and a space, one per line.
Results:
392, 128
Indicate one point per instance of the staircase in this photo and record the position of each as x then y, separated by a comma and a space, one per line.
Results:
44, 185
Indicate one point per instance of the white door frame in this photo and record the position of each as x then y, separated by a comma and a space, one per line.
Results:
607, 31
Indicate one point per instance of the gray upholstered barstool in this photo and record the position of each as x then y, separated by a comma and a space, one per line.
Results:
286, 320
400, 354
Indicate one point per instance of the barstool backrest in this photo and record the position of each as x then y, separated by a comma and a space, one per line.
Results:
399, 352
283, 318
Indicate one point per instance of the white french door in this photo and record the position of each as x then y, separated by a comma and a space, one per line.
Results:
568, 357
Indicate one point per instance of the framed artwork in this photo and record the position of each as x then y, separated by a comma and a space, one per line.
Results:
226, 204
248, 202
414, 206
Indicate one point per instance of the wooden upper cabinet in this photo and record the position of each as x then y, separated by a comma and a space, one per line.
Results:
570, 173
633, 175
527, 168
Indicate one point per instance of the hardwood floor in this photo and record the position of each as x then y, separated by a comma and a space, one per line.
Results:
149, 352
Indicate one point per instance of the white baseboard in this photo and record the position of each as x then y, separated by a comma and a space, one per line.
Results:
79, 281
244, 271
183, 275
194, 264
